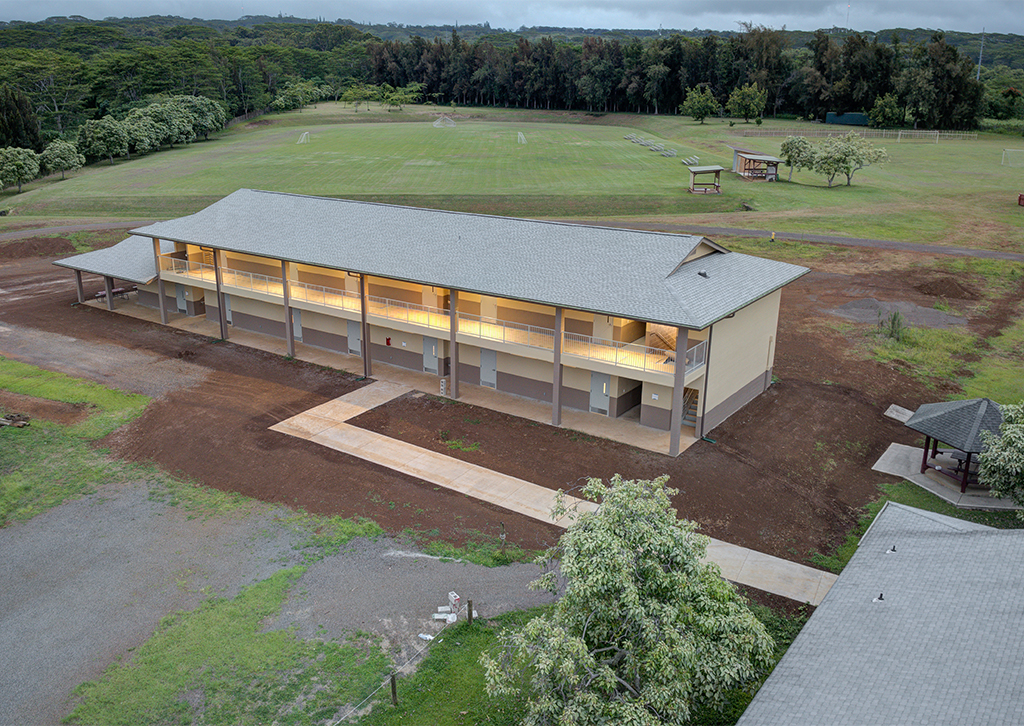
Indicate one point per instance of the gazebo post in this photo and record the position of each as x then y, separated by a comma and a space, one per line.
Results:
924, 459
935, 448
967, 473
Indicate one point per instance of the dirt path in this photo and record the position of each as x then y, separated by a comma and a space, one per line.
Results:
28, 232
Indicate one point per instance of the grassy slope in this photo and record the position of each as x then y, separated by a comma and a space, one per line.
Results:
573, 165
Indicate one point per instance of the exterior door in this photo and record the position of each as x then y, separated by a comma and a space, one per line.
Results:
182, 305
430, 355
355, 338
599, 392
488, 368
227, 308
297, 324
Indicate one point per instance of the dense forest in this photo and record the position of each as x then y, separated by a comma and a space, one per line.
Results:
71, 70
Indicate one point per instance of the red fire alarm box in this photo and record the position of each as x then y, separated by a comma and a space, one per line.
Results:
388, 341
1020, 199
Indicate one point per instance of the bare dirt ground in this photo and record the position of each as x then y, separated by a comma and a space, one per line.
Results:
785, 475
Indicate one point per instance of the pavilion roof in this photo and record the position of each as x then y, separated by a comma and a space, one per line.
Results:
958, 423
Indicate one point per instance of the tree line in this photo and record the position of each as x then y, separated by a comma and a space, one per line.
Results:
76, 71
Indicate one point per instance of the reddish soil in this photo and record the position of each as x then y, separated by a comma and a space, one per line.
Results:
35, 247
41, 408
785, 475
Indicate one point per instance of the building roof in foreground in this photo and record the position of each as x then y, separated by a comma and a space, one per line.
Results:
626, 273
130, 260
943, 646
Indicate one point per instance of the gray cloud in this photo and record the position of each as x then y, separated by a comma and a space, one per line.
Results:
1004, 16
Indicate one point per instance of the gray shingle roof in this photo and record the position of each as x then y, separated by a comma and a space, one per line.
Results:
610, 271
958, 423
130, 260
942, 647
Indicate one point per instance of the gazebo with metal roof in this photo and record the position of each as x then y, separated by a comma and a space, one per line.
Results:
958, 424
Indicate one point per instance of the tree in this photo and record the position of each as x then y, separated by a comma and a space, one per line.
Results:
144, 134
845, 155
107, 137
206, 115
645, 630
700, 103
747, 101
17, 166
798, 153
62, 156
19, 126
1001, 464
398, 97
886, 112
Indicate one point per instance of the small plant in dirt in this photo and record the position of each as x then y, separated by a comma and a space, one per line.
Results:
893, 325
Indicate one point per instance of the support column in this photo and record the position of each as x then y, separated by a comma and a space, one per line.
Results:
289, 330
78, 286
556, 370
365, 347
924, 458
222, 313
108, 285
676, 419
453, 342
159, 282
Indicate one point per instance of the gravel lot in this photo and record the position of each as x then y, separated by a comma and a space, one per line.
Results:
85, 583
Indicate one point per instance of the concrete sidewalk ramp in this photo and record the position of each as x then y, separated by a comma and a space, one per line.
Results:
326, 426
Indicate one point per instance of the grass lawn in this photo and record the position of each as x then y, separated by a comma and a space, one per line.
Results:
571, 166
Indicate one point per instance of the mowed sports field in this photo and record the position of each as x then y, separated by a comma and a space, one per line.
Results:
571, 166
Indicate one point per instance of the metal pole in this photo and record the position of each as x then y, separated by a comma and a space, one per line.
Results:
453, 340
159, 282
78, 286
222, 313
556, 372
108, 285
676, 418
365, 327
289, 328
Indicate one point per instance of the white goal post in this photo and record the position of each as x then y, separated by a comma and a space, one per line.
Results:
1012, 157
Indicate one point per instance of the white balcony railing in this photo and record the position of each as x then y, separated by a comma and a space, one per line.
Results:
505, 331
625, 355
422, 315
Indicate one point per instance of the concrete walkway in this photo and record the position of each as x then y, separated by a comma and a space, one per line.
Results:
325, 425
905, 462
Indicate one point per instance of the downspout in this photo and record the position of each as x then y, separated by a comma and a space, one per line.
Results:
704, 393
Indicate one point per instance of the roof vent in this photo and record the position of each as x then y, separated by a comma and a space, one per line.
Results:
879, 598
891, 550
704, 273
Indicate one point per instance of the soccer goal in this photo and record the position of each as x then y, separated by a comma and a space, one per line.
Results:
444, 123
1012, 157
522, 138
304, 138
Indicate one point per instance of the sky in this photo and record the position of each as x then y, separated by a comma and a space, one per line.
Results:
1000, 16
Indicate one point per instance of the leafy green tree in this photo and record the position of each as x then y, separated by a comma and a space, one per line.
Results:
206, 114
19, 126
798, 153
645, 630
1001, 464
403, 95
106, 137
144, 134
17, 166
60, 155
747, 101
846, 155
359, 93
175, 119
700, 103
887, 112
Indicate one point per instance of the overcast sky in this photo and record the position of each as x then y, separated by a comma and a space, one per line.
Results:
1002, 16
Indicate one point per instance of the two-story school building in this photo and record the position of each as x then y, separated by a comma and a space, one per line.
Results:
590, 318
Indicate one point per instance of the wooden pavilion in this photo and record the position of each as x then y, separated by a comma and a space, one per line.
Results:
756, 166
958, 424
700, 181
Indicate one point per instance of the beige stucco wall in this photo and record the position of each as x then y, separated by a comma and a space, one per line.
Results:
742, 348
